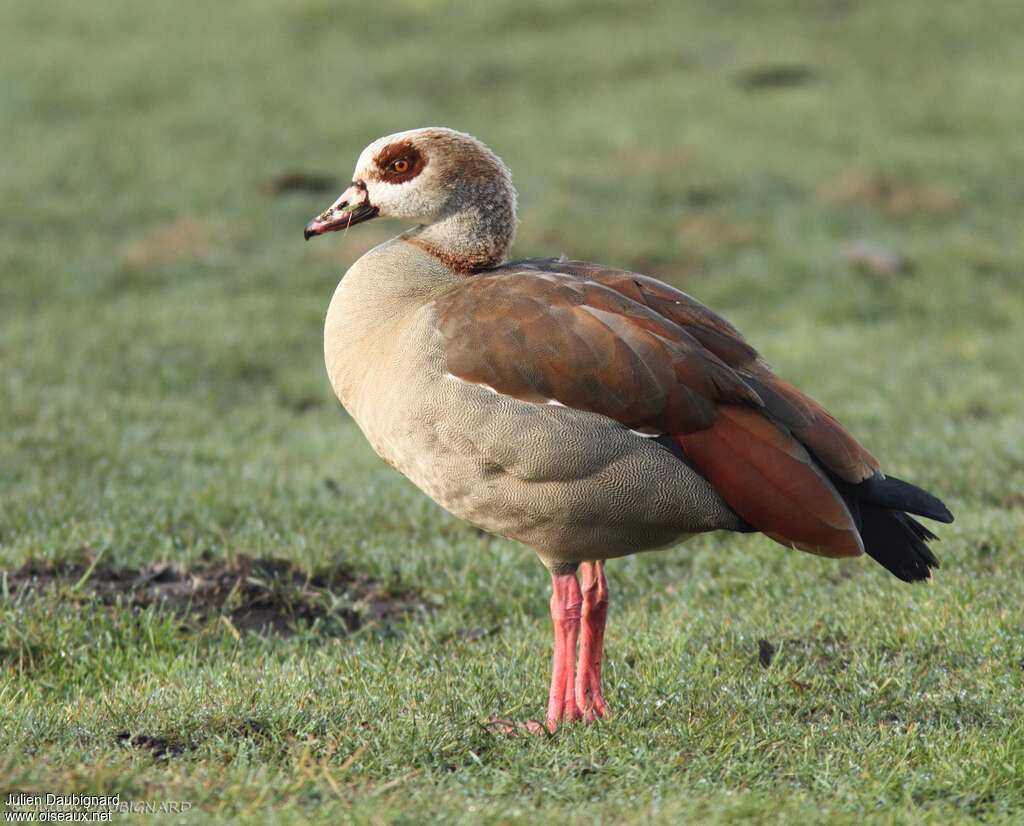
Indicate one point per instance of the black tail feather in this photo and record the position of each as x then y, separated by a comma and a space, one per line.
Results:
893, 493
895, 540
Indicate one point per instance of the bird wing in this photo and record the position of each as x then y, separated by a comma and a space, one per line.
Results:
649, 356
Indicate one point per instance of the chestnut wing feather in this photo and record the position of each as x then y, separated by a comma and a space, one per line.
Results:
807, 420
540, 335
628, 346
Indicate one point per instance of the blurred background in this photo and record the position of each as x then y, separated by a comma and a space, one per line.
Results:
841, 180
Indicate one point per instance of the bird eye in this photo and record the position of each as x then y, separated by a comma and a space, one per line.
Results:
401, 165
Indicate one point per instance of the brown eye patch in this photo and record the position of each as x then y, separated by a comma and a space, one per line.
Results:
399, 162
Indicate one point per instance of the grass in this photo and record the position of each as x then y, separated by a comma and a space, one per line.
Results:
163, 400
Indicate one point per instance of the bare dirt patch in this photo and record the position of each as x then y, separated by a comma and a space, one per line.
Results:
704, 233
300, 181
775, 76
250, 594
890, 194
173, 744
185, 239
877, 259
765, 653
161, 748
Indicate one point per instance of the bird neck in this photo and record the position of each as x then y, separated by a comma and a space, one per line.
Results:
473, 237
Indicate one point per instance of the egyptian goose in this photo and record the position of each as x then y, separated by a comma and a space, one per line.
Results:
584, 411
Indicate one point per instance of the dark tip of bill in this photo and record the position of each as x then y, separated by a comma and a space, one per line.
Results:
311, 230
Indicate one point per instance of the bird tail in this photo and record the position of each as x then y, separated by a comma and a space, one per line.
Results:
782, 489
881, 508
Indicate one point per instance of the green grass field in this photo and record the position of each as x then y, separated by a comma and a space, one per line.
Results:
164, 407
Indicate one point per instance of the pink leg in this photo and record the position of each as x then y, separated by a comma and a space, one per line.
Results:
565, 614
594, 614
